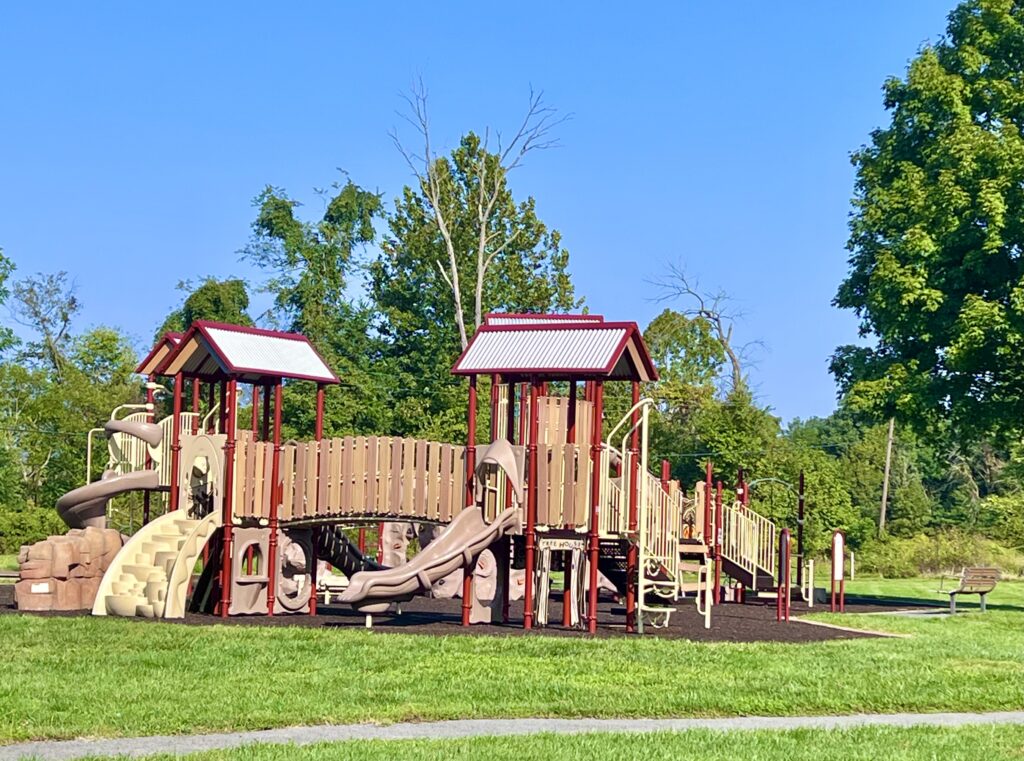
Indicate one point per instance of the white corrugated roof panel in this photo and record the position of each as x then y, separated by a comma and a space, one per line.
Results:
551, 350
269, 354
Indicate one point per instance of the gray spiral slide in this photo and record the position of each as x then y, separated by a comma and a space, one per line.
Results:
87, 505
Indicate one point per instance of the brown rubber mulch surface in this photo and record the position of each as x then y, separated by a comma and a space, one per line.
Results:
730, 622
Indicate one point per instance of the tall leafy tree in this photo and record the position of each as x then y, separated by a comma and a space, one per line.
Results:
58, 385
212, 299
310, 264
937, 234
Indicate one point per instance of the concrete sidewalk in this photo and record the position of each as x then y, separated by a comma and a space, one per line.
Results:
181, 744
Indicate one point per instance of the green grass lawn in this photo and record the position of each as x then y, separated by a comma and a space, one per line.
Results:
68, 677
8, 562
987, 743
1007, 592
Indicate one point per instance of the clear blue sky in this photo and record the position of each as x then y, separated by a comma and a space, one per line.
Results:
134, 136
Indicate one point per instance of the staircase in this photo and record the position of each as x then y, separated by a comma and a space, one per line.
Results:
749, 542
150, 575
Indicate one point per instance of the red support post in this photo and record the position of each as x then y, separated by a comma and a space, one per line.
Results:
228, 398
275, 477
176, 441
467, 571
567, 581
531, 504
318, 432
718, 543
506, 547
595, 491
633, 550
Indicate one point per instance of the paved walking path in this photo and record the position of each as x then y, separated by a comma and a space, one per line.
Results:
143, 746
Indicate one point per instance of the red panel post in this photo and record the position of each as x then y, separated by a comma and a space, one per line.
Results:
176, 441
275, 477
633, 551
595, 491
467, 572
228, 398
718, 543
531, 505
318, 432
567, 581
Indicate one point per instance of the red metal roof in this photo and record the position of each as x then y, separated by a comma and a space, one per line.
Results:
213, 349
164, 345
499, 318
558, 349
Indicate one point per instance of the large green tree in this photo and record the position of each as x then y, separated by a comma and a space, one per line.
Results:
310, 265
937, 234
57, 385
211, 299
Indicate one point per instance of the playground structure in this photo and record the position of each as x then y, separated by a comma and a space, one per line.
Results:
553, 487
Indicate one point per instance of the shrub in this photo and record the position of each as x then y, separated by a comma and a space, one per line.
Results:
25, 525
943, 552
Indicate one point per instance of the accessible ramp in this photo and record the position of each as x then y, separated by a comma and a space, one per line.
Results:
150, 575
87, 505
465, 538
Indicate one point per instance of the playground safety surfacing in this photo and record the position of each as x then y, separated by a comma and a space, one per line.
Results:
749, 622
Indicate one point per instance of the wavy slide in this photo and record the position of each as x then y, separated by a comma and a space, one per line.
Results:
465, 538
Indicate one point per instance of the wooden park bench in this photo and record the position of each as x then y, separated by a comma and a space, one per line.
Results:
973, 581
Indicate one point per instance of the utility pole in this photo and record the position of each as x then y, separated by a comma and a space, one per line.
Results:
885, 478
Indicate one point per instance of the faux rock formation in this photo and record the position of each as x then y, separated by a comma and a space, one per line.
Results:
64, 572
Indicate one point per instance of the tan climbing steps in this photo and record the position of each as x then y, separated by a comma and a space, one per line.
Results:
149, 577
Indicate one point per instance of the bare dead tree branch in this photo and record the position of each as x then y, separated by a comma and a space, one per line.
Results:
533, 134
711, 307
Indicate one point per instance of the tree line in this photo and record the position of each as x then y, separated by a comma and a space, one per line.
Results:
935, 276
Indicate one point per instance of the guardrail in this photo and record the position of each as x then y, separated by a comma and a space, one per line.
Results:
748, 539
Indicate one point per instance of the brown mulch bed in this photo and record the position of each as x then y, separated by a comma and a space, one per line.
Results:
730, 622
